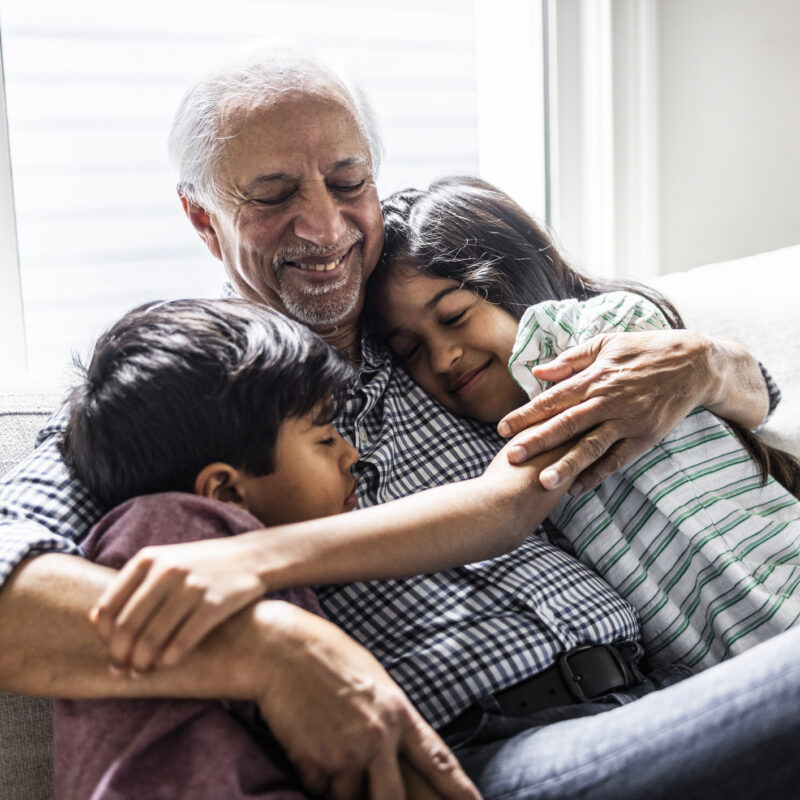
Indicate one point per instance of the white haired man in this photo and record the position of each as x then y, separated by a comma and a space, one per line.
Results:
277, 159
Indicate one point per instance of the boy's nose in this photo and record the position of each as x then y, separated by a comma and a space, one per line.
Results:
349, 455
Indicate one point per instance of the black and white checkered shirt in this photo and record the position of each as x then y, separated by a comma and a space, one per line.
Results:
446, 638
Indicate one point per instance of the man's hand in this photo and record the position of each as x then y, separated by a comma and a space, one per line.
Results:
621, 392
166, 599
343, 721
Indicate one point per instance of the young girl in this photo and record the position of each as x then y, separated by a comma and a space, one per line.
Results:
702, 532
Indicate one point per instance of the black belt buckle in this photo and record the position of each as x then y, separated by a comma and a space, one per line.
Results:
573, 679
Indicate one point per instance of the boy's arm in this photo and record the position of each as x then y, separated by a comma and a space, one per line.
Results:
337, 713
167, 598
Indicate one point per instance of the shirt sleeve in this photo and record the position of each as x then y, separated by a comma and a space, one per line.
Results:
43, 509
549, 328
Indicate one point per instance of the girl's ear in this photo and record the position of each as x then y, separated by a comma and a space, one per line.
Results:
219, 481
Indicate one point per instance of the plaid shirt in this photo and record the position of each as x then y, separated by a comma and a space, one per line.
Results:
446, 638
451, 637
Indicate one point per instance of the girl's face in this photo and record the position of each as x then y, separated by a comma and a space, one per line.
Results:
455, 345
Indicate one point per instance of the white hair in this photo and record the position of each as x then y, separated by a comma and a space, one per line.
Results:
250, 78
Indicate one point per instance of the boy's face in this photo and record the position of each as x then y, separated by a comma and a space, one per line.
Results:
311, 478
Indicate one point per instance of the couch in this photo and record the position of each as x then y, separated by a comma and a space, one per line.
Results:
751, 299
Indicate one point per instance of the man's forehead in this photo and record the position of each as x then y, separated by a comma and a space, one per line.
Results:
295, 126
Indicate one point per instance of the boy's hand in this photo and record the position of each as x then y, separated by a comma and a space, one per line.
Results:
166, 599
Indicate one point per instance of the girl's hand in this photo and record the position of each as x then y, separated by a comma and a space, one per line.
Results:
620, 393
166, 599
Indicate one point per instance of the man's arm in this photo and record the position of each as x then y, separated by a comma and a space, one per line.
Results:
275, 654
621, 393
335, 710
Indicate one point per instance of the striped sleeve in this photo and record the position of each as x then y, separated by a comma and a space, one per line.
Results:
549, 328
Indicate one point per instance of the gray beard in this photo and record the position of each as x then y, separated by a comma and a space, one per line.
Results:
322, 306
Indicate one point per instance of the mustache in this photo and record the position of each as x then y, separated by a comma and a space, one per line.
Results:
301, 249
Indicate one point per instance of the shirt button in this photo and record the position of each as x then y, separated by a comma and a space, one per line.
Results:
362, 434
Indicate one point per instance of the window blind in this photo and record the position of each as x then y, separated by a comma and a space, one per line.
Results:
91, 88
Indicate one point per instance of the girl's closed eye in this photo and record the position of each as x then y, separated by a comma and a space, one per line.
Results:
411, 353
455, 318
405, 346
454, 308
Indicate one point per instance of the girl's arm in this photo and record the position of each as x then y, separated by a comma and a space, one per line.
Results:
167, 598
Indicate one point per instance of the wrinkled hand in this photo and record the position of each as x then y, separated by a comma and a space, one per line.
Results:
621, 392
342, 720
166, 599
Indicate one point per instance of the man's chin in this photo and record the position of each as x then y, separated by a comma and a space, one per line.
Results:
324, 311
320, 306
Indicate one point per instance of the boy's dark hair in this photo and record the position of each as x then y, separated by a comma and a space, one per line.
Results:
175, 386
469, 230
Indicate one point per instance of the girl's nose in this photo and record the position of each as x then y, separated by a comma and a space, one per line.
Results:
444, 357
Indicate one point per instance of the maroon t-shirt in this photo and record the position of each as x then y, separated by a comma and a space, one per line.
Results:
169, 748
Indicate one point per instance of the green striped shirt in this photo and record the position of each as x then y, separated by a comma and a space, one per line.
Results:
687, 533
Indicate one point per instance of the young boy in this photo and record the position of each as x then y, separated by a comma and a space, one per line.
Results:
198, 420
211, 401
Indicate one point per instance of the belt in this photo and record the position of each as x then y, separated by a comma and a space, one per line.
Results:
580, 675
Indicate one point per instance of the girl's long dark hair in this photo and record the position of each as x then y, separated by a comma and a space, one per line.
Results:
467, 230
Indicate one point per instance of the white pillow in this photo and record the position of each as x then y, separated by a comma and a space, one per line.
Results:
755, 300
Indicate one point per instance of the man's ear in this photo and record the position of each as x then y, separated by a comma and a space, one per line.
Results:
201, 222
219, 481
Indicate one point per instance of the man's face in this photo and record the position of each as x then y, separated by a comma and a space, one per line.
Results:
299, 225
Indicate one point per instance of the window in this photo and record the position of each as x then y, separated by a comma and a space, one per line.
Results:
90, 91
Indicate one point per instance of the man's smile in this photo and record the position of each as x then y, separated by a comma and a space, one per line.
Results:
319, 268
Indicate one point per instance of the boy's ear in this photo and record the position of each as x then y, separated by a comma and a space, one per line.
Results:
219, 481
201, 221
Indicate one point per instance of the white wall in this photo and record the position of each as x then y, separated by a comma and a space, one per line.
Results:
729, 128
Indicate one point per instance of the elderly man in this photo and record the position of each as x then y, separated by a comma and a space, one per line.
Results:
277, 159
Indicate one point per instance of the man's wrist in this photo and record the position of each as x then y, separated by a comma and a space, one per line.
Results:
256, 640
712, 359
737, 386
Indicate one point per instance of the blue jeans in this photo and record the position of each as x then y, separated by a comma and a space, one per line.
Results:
731, 732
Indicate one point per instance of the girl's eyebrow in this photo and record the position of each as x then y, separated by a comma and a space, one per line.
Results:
429, 306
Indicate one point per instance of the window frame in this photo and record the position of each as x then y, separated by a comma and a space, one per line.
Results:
12, 324
495, 93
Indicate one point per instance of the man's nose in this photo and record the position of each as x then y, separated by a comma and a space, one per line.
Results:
319, 218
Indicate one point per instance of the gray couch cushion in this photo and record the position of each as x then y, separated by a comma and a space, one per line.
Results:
24, 407
26, 752
26, 757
